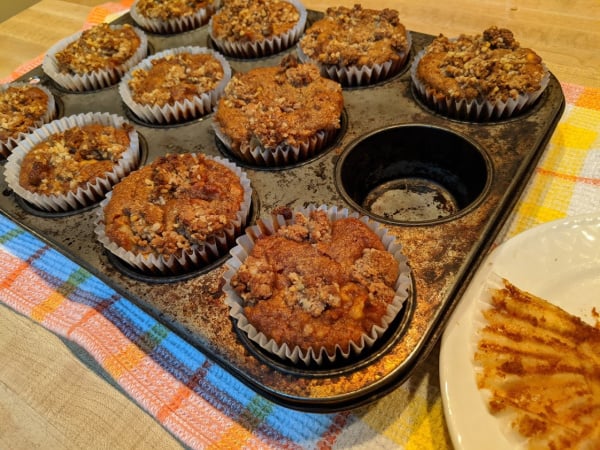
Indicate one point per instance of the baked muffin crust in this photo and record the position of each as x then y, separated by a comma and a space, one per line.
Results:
175, 78
253, 20
21, 107
170, 9
177, 201
356, 37
279, 105
102, 47
73, 158
491, 66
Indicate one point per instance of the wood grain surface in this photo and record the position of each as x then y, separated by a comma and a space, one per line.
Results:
565, 34
51, 394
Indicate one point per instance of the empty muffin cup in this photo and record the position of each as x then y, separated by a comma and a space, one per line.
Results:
413, 174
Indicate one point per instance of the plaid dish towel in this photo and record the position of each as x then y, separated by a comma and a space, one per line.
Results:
567, 179
198, 401
201, 403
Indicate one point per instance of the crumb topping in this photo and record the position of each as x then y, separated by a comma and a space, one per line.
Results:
176, 202
176, 78
279, 105
73, 158
330, 282
489, 66
100, 47
356, 37
170, 9
21, 107
253, 20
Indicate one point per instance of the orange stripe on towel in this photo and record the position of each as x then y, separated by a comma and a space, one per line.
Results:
123, 361
18, 267
232, 436
87, 316
573, 178
590, 99
48, 306
182, 393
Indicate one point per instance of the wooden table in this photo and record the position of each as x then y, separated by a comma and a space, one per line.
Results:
91, 412
565, 34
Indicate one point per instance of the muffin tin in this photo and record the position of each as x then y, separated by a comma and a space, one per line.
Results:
443, 187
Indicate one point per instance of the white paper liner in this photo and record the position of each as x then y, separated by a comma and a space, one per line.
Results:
267, 46
214, 247
484, 302
494, 282
182, 110
175, 24
282, 155
269, 226
7, 146
83, 196
97, 79
352, 76
506, 418
476, 110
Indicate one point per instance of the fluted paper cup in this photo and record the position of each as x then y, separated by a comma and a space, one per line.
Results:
94, 79
268, 226
197, 255
92, 191
47, 114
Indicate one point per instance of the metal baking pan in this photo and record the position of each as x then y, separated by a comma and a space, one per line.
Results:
462, 180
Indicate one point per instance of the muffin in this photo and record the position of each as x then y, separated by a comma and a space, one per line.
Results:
95, 58
72, 162
336, 280
278, 115
172, 16
356, 46
175, 214
483, 77
255, 28
23, 107
175, 85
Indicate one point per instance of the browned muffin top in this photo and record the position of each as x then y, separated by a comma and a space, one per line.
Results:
71, 159
253, 20
328, 281
173, 203
100, 47
286, 104
489, 66
175, 78
355, 37
170, 9
21, 107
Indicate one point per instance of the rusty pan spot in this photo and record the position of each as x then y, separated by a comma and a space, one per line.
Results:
413, 199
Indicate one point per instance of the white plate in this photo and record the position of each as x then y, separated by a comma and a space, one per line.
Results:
558, 261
